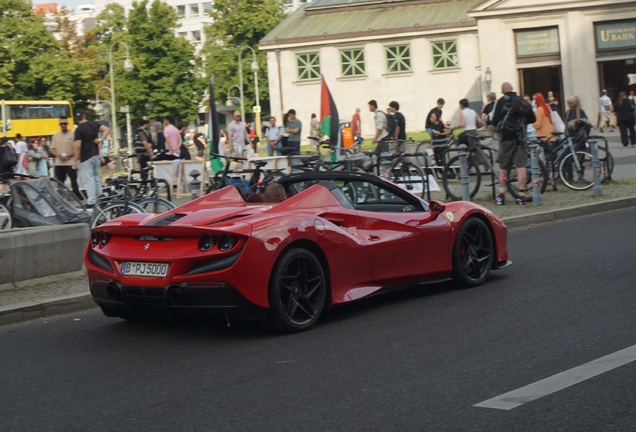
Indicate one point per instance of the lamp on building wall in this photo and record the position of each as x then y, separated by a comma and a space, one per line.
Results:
488, 77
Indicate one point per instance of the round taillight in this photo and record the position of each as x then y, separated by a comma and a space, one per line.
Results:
226, 242
206, 242
94, 239
103, 239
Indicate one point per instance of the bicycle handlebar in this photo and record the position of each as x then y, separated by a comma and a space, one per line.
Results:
228, 158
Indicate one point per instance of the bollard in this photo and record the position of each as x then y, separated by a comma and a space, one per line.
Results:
596, 168
195, 184
463, 172
537, 199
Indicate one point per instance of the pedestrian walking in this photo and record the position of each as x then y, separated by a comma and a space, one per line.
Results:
314, 128
624, 110
184, 151
543, 124
8, 160
106, 163
63, 149
87, 145
172, 138
381, 132
469, 120
552, 102
437, 110
273, 135
400, 127
605, 111
356, 125
143, 145
21, 151
487, 108
35, 155
511, 115
237, 136
294, 128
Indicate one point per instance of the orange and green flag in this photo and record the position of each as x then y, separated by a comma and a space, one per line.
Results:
330, 123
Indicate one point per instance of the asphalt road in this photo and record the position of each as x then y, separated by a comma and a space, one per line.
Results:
418, 359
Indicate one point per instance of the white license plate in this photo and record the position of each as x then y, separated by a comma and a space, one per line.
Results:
132, 268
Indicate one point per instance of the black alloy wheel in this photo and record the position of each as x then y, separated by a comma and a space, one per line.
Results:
297, 291
473, 253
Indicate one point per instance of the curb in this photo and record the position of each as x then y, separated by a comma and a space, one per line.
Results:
46, 279
79, 302
55, 306
569, 212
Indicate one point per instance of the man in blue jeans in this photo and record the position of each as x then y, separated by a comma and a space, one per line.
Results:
87, 145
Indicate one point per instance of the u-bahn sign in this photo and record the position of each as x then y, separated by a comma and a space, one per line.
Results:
613, 35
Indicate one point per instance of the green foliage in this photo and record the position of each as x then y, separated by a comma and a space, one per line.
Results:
240, 24
165, 75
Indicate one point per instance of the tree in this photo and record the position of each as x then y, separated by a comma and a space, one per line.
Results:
237, 24
33, 64
165, 74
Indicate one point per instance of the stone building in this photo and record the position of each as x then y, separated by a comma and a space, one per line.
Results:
415, 51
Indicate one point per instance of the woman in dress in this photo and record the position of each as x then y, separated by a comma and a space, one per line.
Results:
43, 164
624, 111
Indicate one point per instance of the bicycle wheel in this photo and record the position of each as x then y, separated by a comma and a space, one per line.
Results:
452, 181
112, 211
155, 205
410, 177
513, 183
6, 220
420, 151
577, 174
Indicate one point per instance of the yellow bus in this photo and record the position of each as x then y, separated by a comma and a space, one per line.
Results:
33, 118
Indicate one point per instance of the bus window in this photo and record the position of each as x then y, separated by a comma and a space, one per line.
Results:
19, 112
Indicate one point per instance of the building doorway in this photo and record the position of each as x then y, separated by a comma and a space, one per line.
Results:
613, 76
542, 80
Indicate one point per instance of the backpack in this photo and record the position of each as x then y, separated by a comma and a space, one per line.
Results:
516, 110
391, 124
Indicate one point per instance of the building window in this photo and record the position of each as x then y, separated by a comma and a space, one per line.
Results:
352, 62
196, 36
207, 7
308, 66
181, 10
289, 3
398, 58
194, 10
183, 35
444, 54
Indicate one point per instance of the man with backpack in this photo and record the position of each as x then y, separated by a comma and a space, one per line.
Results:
510, 116
381, 132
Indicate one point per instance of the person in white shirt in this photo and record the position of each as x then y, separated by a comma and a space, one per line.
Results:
381, 131
21, 152
273, 135
469, 120
606, 110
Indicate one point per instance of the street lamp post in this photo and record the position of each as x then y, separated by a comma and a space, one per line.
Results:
254, 68
128, 67
229, 103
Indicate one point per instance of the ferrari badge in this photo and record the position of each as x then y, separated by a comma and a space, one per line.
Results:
450, 216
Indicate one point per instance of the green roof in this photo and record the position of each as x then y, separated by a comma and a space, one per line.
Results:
358, 20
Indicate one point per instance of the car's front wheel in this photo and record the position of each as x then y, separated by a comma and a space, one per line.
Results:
297, 291
472, 253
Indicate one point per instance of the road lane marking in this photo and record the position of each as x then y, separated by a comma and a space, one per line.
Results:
560, 381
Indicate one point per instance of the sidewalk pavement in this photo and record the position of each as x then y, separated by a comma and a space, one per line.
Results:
53, 296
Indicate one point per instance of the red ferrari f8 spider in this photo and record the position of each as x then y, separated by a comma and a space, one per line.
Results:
311, 241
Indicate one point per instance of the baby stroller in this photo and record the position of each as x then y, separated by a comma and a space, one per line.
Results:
40, 202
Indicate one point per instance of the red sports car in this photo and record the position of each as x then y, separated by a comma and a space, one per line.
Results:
312, 240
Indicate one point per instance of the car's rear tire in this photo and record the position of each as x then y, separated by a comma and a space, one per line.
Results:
297, 291
473, 253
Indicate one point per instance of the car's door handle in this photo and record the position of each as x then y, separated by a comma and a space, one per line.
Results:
336, 221
374, 238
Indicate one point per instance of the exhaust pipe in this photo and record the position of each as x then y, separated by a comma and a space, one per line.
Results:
113, 292
176, 295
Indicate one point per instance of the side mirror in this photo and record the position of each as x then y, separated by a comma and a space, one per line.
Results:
436, 208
